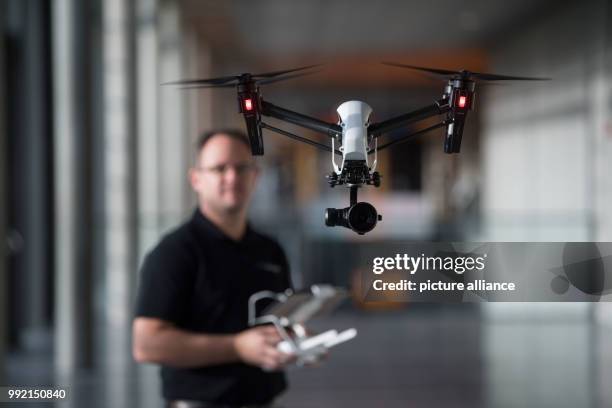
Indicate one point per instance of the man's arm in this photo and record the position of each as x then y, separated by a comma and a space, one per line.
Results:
158, 341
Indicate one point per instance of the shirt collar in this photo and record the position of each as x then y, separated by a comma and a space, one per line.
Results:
205, 225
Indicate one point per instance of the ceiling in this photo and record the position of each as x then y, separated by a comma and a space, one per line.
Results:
349, 27
247, 35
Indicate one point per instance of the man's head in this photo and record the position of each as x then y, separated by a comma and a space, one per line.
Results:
224, 173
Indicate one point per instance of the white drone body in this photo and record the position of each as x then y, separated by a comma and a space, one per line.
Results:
354, 120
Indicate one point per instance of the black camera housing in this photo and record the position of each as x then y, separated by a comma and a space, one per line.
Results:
360, 217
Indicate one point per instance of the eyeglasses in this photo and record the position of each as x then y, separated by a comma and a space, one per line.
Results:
241, 169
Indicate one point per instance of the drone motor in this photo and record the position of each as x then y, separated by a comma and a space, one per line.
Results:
249, 104
460, 94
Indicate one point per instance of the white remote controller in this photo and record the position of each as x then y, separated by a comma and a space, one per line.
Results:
317, 345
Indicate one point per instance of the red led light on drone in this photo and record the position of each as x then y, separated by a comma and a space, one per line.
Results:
248, 104
462, 101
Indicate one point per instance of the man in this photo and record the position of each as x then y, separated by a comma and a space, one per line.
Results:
192, 305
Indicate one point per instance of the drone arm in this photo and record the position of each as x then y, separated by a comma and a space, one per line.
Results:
438, 108
299, 138
410, 136
269, 109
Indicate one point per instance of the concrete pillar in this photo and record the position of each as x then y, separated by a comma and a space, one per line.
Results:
161, 158
73, 218
3, 202
148, 90
171, 167
161, 126
603, 203
118, 157
35, 193
26, 72
120, 164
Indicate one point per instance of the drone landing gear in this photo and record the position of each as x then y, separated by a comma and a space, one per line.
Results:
354, 174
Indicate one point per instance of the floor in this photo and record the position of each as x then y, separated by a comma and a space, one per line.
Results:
420, 356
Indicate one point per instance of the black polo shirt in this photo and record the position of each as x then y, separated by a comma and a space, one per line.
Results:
200, 280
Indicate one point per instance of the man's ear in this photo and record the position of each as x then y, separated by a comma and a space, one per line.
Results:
194, 178
257, 173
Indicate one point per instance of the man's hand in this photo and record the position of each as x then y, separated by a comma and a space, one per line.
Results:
257, 346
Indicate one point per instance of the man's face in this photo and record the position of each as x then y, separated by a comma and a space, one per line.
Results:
225, 175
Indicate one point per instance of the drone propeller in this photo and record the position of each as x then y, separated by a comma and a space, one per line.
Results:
258, 82
286, 71
283, 78
463, 74
232, 81
232, 85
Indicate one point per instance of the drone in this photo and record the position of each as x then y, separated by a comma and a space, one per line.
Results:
353, 137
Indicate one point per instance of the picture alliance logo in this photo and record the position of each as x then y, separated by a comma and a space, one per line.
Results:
413, 264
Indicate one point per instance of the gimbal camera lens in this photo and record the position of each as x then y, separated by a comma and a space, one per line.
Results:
361, 217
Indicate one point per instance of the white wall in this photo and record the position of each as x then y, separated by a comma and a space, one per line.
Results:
545, 144
546, 167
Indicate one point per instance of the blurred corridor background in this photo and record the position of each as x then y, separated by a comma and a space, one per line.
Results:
94, 154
